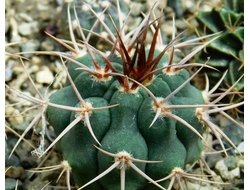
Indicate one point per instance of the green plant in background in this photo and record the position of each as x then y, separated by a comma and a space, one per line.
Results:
129, 116
226, 52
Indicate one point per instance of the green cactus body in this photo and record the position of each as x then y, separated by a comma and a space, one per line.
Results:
124, 135
78, 150
163, 143
132, 115
126, 128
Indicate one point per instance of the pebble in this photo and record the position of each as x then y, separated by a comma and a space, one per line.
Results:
10, 184
16, 172
36, 184
180, 24
59, 80
13, 160
133, 23
136, 8
231, 130
240, 164
9, 70
22, 126
36, 60
30, 46
212, 159
42, 7
44, 76
240, 148
26, 17
167, 28
27, 161
196, 185
14, 30
204, 186
224, 171
14, 118
234, 132
189, 5
28, 28
47, 45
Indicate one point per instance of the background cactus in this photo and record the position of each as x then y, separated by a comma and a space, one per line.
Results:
227, 52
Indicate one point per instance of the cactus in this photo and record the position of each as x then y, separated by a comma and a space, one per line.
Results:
130, 116
128, 119
227, 52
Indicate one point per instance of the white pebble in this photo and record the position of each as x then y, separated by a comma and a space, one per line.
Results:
47, 45
44, 76
36, 60
15, 118
240, 148
225, 174
26, 29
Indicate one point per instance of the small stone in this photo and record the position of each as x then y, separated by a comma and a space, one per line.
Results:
27, 29
9, 70
22, 126
225, 173
212, 159
30, 46
15, 172
233, 132
240, 148
204, 186
42, 7
10, 184
36, 184
26, 160
167, 28
47, 45
133, 23
137, 8
240, 164
29, 162
180, 24
231, 162
60, 80
27, 146
26, 17
209, 140
36, 60
44, 76
15, 118
12, 161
